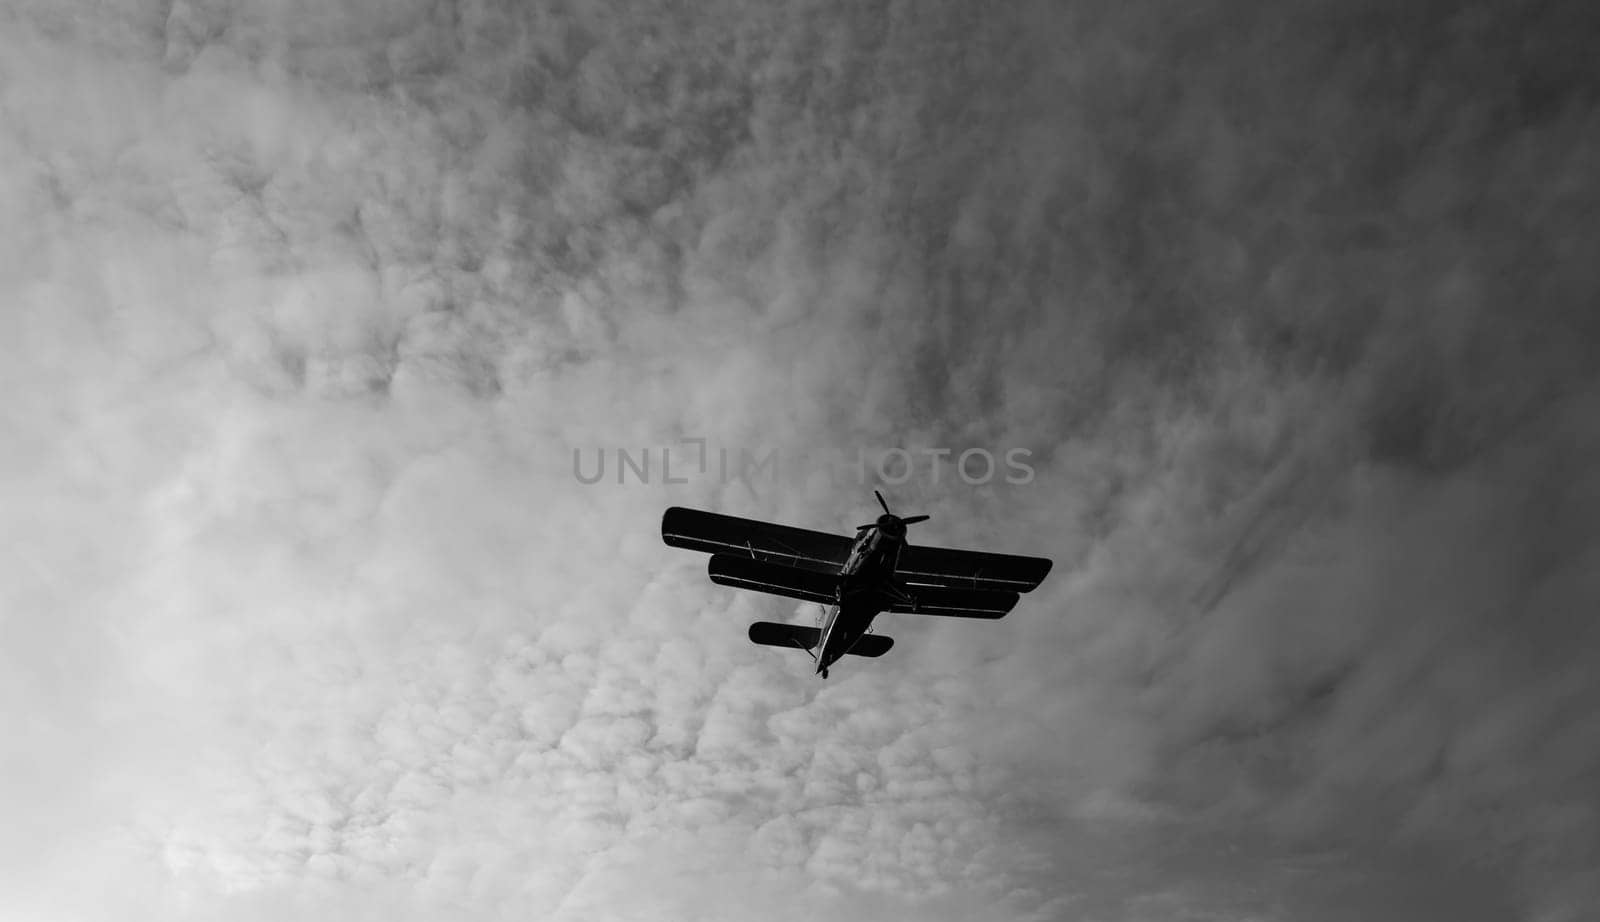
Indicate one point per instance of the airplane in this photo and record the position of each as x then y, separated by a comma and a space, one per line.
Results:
854, 579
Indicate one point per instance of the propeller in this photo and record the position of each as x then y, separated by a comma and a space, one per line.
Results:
889, 519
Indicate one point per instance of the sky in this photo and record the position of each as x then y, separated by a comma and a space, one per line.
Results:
319, 313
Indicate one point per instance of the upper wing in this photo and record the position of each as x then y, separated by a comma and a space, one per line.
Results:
944, 566
726, 534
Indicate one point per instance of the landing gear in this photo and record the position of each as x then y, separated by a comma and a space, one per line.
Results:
824, 672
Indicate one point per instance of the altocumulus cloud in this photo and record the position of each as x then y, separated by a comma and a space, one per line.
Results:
306, 616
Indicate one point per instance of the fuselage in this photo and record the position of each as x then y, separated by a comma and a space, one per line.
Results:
866, 587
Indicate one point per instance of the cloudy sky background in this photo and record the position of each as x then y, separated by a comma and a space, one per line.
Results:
309, 304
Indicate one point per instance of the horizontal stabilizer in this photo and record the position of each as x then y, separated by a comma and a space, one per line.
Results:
800, 637
957, 603
772, 634
774, 578
871, 645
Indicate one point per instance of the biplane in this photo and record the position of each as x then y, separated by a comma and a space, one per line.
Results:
853, 579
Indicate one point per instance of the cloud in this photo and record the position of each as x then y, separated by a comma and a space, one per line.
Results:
307, 615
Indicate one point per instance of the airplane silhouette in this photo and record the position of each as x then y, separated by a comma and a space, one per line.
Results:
855, 579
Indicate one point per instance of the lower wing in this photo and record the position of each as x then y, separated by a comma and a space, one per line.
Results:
957, 603
773, 578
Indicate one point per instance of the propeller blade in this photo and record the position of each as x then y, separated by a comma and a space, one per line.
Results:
866, 526
913, 519
881, 502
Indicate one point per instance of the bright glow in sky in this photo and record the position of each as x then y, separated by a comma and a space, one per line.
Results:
308, 305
